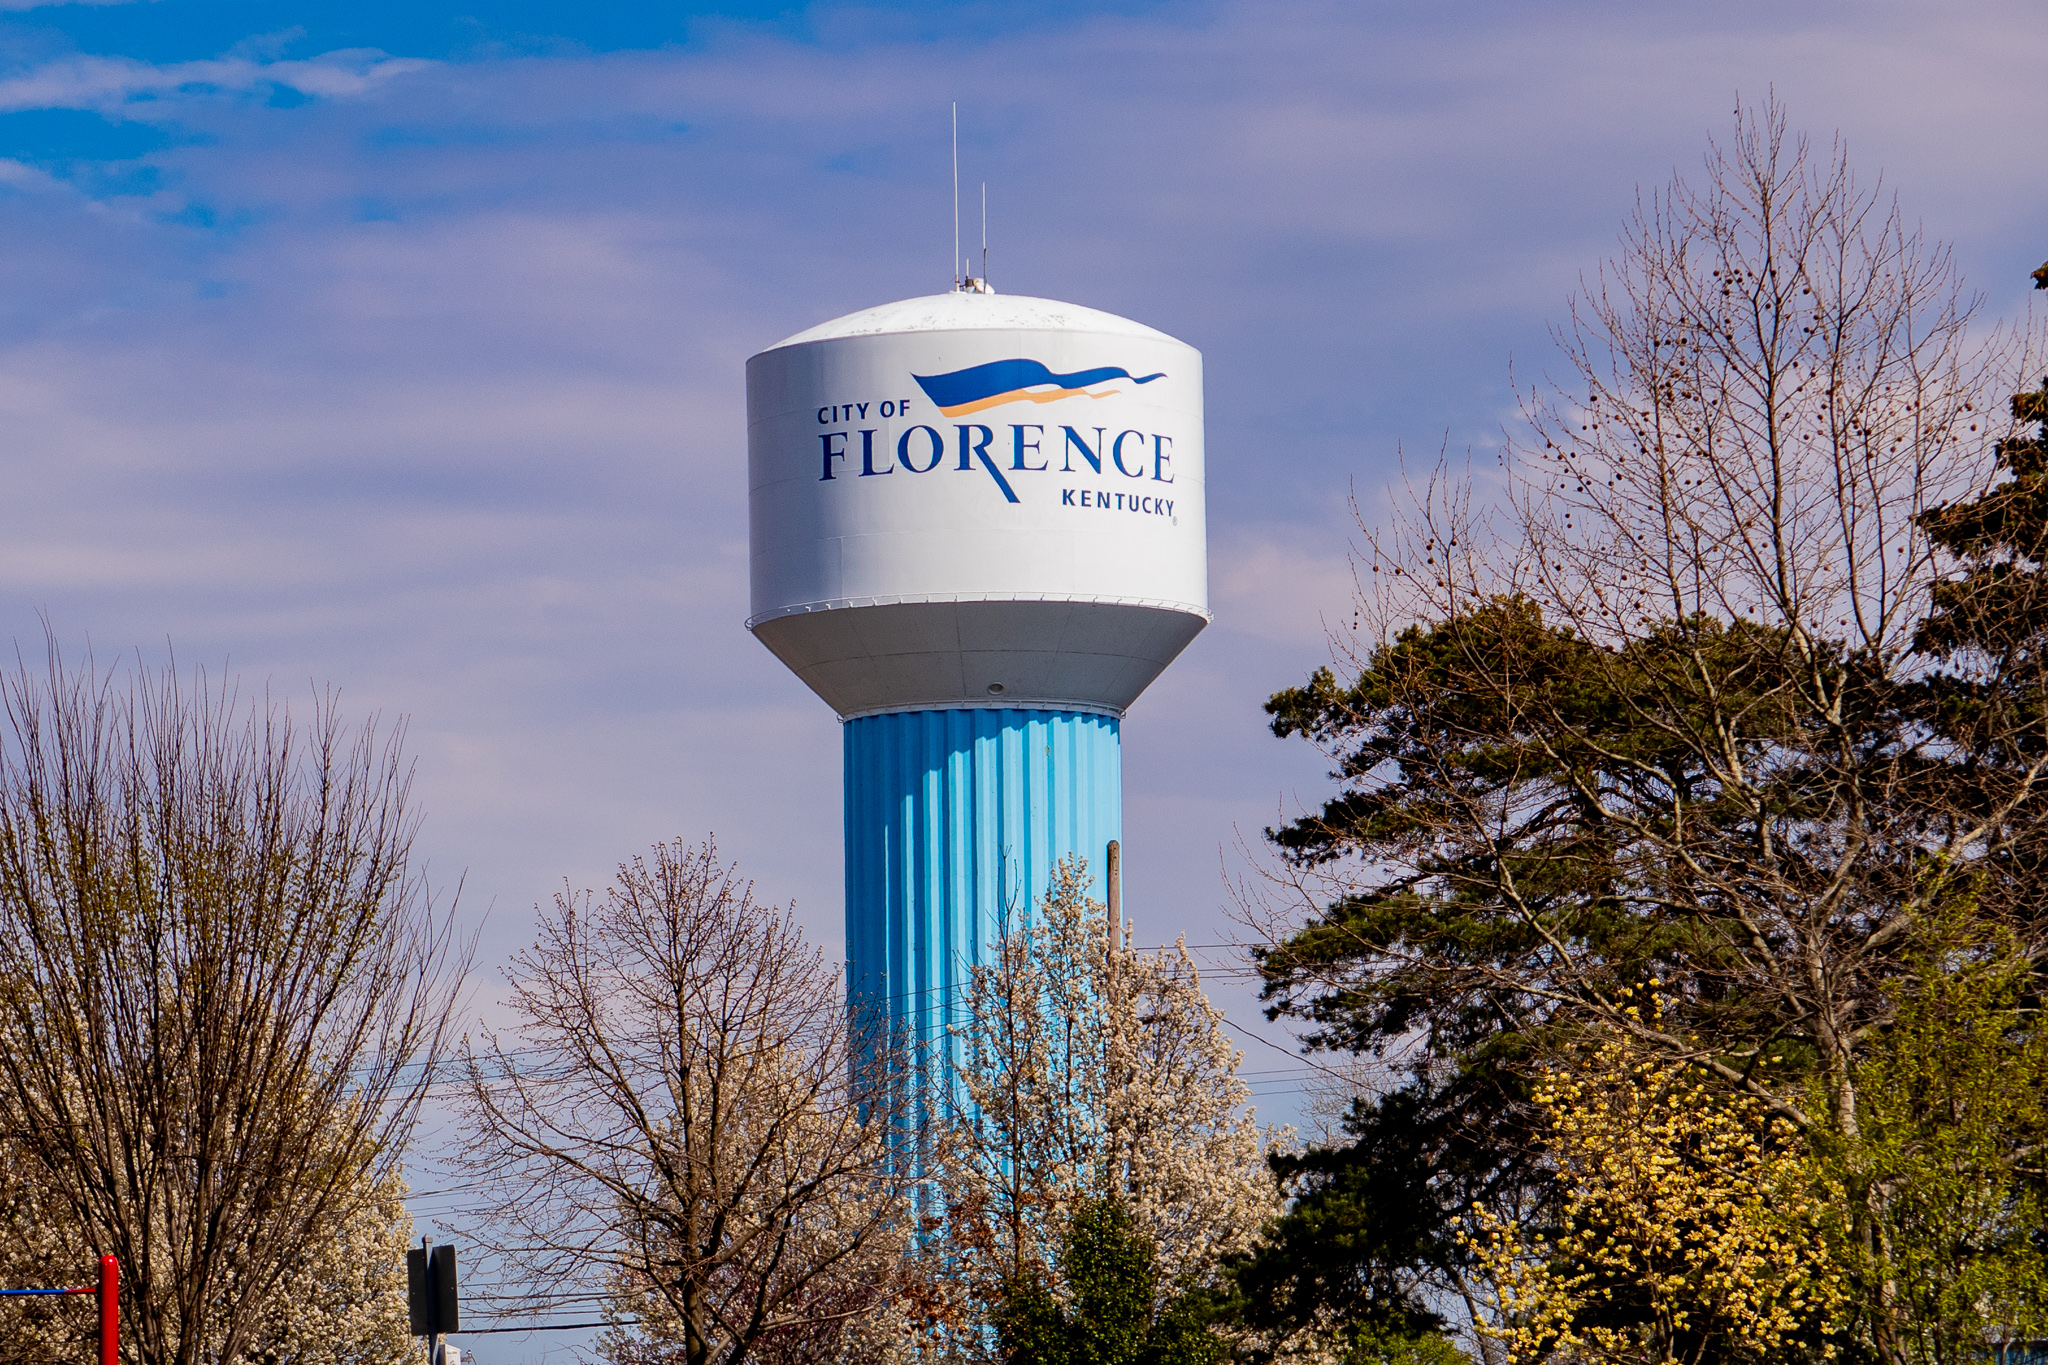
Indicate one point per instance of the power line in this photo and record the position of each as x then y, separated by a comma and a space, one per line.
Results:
545, 1327
1327, 1071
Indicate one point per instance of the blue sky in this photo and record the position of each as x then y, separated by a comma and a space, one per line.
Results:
399, 347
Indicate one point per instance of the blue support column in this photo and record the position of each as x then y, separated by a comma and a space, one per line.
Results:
952, 819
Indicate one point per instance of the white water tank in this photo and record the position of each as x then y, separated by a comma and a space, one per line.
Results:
977, 500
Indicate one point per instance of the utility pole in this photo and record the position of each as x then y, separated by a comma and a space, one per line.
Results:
1113, 906
1113, 877
1116, 889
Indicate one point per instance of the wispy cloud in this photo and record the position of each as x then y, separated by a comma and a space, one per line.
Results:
20, 176
118, 85
16, 5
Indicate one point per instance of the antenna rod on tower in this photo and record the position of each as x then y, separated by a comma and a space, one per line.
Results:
956, 195
984, 232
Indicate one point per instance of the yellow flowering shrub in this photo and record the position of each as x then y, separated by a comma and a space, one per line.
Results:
1689, 1226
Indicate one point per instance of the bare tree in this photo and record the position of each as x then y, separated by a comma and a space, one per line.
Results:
223, 989
685, 1120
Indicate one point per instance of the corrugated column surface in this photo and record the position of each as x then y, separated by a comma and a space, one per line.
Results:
952, 818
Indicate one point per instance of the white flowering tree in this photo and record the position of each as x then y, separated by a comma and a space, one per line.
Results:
1090, 1070
227, 989
340, 1301
344, 1301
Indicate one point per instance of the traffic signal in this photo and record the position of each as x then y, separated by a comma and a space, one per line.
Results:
430, 1284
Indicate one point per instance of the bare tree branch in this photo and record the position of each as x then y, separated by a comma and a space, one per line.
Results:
223, 988
687, 1120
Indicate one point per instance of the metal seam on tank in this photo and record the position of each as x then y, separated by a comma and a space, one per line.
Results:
938, 795
959, 887
887, 953
945, 599
1063, 325
1089, 708
849, 872
936, 903
1002, 774
909, 776
855, 794
902, 868
987, 806
1079, 770
858, 790
1038, 842
1017, 801
895, 803
1067, 769
1050, 326
1017, 807
887, 967
931, 975
906, 782
960, 818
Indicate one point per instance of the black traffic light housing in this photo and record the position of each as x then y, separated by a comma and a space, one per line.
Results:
430, 1284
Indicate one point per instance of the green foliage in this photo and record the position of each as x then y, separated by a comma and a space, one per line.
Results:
1947, 1205
1993, 613
1620, 759
1380, 1345
1370, 1209
1528, 793
1109, 1316
1587, 759
1939, 1093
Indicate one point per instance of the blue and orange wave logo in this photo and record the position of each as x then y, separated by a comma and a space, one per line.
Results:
1018, 381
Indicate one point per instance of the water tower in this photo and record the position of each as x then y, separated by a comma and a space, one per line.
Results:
977, 532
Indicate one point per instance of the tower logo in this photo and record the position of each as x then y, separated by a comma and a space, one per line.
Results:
960, 392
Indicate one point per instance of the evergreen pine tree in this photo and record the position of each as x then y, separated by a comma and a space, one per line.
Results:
1998, 603
1112, 1277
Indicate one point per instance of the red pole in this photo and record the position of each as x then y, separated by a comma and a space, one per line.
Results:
110, 1311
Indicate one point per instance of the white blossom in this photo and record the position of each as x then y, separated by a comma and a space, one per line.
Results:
1086, 1067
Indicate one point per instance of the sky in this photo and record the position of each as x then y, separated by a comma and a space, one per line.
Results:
398, 347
